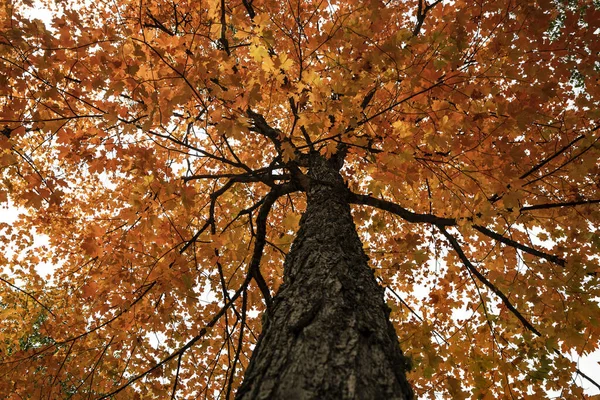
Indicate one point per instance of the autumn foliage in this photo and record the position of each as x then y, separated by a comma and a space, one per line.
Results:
156, 149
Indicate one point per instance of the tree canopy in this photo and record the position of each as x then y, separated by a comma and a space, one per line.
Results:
160, 147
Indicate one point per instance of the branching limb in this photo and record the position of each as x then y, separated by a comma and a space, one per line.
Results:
457, 248
213, 203
260, 237
260, 125
441, 223
246, 211
445, 222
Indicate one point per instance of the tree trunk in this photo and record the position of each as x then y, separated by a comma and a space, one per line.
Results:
327, 335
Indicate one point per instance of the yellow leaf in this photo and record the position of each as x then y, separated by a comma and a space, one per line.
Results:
402, 129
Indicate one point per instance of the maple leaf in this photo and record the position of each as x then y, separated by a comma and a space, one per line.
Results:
221, 192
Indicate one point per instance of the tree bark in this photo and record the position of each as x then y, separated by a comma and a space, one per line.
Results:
327, 334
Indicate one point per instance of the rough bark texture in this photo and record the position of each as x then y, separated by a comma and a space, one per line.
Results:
327, 335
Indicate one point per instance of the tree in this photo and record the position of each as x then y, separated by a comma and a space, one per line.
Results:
171, 151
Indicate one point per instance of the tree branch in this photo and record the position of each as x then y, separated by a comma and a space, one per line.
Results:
565, 163
398, 210
456, 246
557, 205
239, 346
502, 296
157, 24
223, 39
444, 222
261, 126
421, 14
547, 160
260, 238
176, 376
509, 242
248, 5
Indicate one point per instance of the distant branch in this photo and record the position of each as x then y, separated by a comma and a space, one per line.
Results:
263, 175
593, 382
62, 364
559, 152
405, 304
557, 205
95, 367
553, 156
176, 376
571, 159
196, 149
239, 346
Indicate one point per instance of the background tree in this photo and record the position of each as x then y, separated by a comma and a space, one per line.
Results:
166, 148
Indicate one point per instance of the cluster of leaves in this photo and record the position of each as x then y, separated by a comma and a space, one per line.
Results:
158, 146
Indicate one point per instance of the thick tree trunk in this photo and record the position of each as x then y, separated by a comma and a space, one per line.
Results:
327, 335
